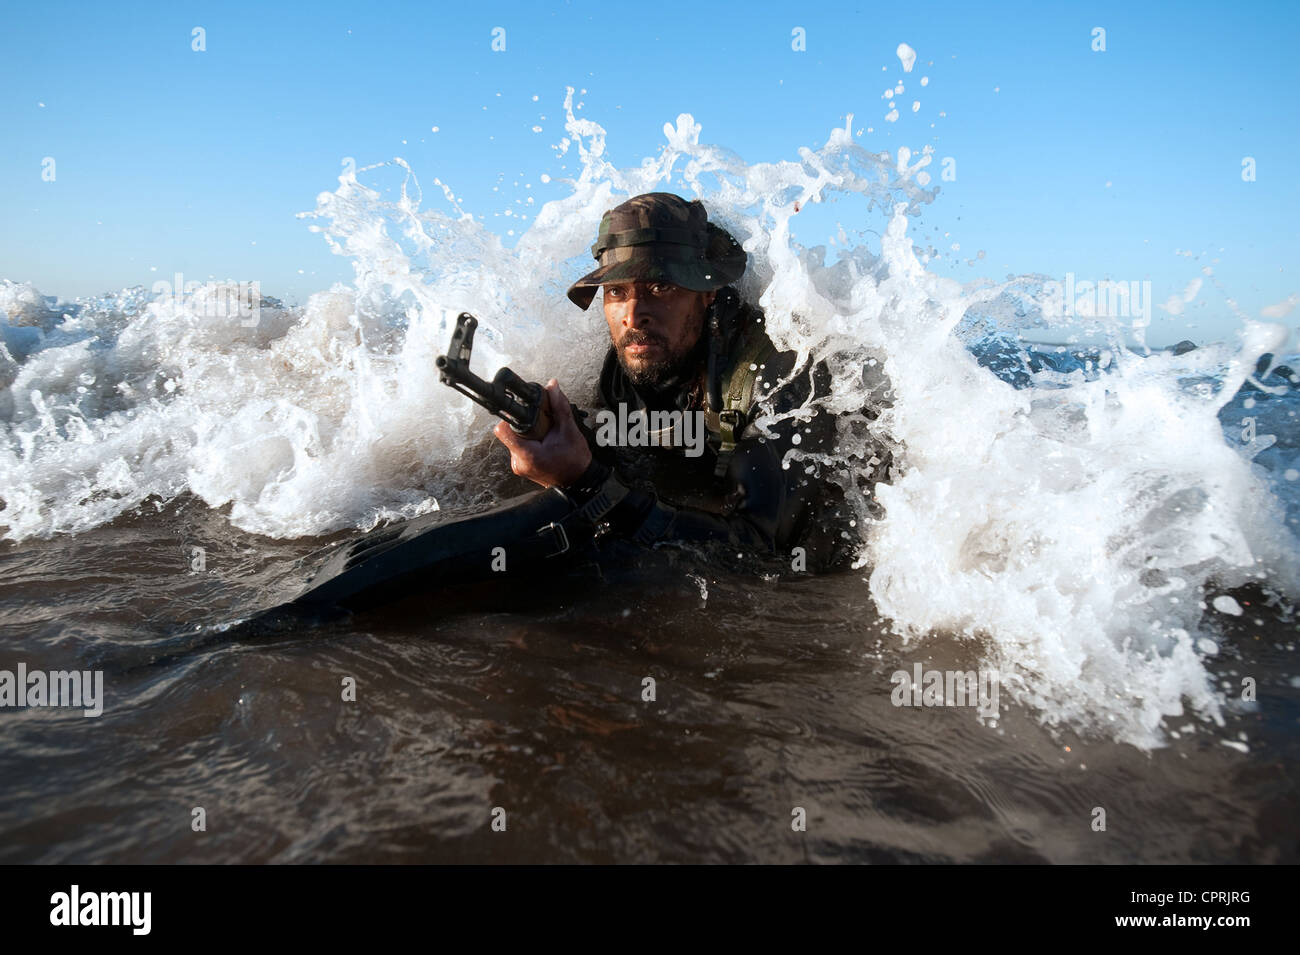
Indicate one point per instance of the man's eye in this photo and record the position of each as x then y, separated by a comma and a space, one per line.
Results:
658, 289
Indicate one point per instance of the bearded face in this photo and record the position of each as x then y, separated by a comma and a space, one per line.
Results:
655, 329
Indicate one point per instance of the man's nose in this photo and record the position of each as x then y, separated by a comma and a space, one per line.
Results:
637, 311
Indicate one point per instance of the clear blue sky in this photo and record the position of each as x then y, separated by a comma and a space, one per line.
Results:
198, 162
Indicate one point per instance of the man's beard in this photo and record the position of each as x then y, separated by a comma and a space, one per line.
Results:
672, 372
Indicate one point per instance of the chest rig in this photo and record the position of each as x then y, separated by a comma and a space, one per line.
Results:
738, 351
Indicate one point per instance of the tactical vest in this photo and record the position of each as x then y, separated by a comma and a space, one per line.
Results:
738, 351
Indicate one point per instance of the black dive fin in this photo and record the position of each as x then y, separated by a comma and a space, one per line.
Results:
419, 555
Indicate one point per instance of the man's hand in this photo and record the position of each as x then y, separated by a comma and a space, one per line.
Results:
558, 459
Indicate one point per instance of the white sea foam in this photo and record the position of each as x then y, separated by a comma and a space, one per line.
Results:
1070, 526
906, 56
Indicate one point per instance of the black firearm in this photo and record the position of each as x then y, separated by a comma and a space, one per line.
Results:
521, 404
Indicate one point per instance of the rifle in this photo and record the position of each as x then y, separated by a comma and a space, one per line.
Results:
521, 404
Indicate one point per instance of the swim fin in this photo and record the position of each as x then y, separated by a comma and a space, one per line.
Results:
399, 560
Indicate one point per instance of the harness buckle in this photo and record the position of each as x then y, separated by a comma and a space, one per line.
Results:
733, 418
561, 538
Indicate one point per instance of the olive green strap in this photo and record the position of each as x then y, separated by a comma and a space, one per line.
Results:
731, 421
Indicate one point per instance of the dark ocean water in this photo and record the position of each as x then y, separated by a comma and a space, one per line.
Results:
773, 695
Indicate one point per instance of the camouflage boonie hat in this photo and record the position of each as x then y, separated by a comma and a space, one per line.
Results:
660, 237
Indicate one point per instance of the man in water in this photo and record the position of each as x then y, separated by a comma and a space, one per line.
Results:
687, 355
677, 452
